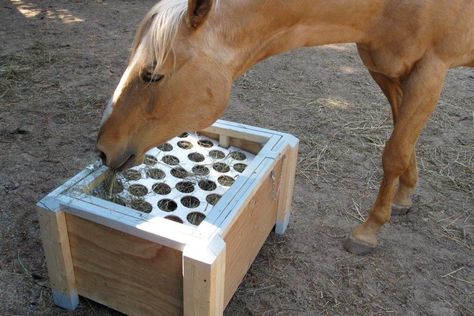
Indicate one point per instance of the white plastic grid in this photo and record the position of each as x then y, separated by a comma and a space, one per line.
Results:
231, 157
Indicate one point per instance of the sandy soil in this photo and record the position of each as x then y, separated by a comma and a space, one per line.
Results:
60, 61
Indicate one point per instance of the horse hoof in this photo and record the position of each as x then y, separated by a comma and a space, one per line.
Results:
357, 247
398, 210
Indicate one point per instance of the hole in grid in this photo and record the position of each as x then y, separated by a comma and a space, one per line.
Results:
216, 154
190, 201
141, 206
200, 170
185, 186
170, 160
205, 143
156, 174
179, 173
174, 219
150, 160
185, 134
138, 190
196, 157
185, 144
237, 155
213, 198
167, 205
226, 181
161, 188
132, 175
240, 167
165, 147
221, 167
207, 185
195, 218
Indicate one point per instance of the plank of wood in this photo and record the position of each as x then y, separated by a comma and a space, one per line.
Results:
124, 272
224, 141
58, 257
231, 203
152, 228
236, 203
249, 231
228, 125
247, 145
251, 146
204, 272
241, 133
286, 189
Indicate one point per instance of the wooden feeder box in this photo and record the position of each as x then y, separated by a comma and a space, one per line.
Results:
162, 261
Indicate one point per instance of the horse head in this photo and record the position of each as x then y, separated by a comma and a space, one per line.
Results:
174, 82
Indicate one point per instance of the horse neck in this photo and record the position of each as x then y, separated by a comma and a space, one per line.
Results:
252, 30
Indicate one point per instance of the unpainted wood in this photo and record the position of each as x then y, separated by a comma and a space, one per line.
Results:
252, 146
247, 145
129, 274
206, 133
241, 133
204, 273
224, 141
286, 188
249, 231
58, 256
158, 230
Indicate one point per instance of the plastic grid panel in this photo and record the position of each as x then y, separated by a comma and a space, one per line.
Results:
186, 152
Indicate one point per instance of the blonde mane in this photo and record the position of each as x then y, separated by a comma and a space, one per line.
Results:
156, 33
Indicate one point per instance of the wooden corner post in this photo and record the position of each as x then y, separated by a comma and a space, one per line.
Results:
203, 277
58, 257
287, 186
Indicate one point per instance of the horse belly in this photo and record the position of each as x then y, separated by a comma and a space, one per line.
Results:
454, 40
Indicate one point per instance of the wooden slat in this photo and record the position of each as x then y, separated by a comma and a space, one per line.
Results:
250, 230
204, 272
251, 146
290, 157
205, 133
148, 226
124, 272
58, 257
224, 141
291, 175
242, 133
239, 127
247, 145
235, 203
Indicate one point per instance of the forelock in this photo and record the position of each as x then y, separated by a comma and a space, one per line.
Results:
157, 31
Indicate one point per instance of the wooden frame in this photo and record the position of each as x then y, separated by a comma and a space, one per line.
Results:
143, 265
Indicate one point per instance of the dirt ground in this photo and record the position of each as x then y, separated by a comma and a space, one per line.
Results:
60, 61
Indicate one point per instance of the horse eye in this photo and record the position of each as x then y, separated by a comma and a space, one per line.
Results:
148, 76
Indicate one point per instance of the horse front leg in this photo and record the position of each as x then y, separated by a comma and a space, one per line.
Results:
407, 181
421, 91
402, 202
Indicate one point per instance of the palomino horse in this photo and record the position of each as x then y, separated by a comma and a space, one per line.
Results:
187, 53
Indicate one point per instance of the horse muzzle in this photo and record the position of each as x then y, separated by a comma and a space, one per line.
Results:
118, 162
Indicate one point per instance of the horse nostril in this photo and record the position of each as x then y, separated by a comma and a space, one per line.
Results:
103, 157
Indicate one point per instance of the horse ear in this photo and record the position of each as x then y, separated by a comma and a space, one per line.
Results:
198, 11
